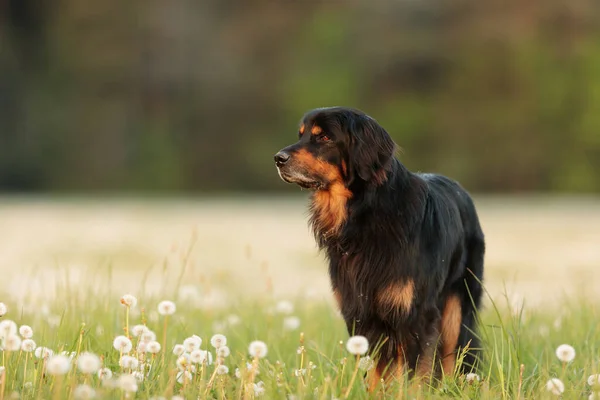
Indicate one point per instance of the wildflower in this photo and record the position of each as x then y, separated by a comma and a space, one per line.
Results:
88, 363
142, 347
129, 300
128, 362
565, 353
122, 344
58, 365
257, 349
153, 347
284, 307
555, 386
291, 323
259, 389
3, 309
28, 345
137, 330
472, 377
183, 361
148, 336
178, 349
366, 363
223, 352
84, 392
43, 352
218, 340
7, 328
12, 343
192, 343
593, 380
26, 331
222, 370
238, 373
184, 376
139, 376
200, 356
104, 373
127, 382
166, 307
357, 345
300, 372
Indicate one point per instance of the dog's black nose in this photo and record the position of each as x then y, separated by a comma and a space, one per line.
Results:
281, 158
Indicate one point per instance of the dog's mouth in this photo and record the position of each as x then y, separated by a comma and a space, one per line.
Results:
299, 179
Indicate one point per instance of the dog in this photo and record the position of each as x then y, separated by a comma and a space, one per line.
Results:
405, 249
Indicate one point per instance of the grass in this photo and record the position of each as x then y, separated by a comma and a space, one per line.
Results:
305, 361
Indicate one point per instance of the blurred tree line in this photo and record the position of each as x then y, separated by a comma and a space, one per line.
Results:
187, 95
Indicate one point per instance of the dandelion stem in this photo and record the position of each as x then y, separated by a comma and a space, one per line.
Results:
353, 378
164, 343
25, 371
520, 381
127, 322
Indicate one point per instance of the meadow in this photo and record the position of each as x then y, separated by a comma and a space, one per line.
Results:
223, 298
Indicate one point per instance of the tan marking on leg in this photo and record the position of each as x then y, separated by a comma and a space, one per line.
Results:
397, 296
451, 322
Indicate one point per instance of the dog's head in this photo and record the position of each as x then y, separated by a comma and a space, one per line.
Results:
336, 145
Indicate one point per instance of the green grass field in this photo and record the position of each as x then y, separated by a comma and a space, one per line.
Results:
257, 277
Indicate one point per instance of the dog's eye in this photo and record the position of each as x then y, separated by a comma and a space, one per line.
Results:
325, 138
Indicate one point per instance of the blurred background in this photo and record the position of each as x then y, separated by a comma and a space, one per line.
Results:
190, 100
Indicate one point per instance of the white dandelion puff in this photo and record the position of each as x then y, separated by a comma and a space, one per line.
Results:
128, 362
257, 349
166, 307
178, 349
148, 336
238, 373
142, 347
104, 373
366, 363
259, 389
184, 376
3, 309
58, 365
7, 328
201, 356
565, 353
122, 344
184, 361
153, 347
137, 330
555, 386
357, 345
43, 352
192, 343
128, 383
593, 380
12, 343
88, 363
300, 372
218, 340
291, 323
223, 352
129, 300
26, 331
84, 392
139, 376
472, 377
284, 307
28, 345
222, 369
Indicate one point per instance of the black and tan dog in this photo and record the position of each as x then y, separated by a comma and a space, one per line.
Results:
405, 249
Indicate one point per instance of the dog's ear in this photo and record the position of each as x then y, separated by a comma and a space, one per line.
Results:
371, 148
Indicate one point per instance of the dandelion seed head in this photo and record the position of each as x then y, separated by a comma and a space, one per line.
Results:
258, 348
284, 307
594, 380
28, 345
178, 349
12, 343
142, 347
43, 352
84, 392
555, 386
192, 343
183, 361
148, 336
357, 345
259, 389
129, 300
223, 352
291, 323
166, 307
153, 347
139, 376
127, 382
105, 373
3, 309
7, 328
200, 356
366, 363
88, 363
184, 376
565, 353
26, 332
472, 377
218, 340
137, 330
122, 344
222, 370
128, 362
58, 365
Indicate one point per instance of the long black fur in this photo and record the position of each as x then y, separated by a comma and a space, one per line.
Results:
400, 226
